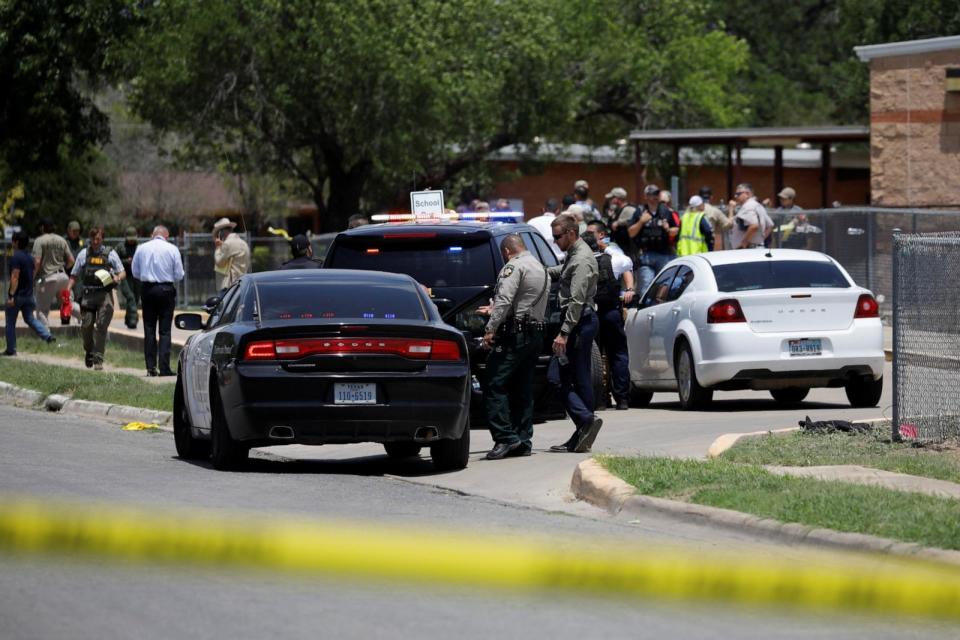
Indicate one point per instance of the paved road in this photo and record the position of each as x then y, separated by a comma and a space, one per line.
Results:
50, 455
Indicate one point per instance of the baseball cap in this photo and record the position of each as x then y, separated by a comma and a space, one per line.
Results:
299, 244
787, 192
696, 201
73, 225
581, 183
705, 191
131, 233
617, 192
651, 190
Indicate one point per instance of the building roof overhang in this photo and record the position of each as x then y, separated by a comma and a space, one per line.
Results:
765, 136
909, 47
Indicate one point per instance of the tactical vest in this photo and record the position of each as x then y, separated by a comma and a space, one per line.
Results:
652, 236
691, 238
94, 293
608, 289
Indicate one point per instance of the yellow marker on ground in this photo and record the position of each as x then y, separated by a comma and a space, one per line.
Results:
139, 426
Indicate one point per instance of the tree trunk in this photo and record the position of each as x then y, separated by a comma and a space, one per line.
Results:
346, 189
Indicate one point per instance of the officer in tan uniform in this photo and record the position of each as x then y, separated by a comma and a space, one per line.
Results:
515, 335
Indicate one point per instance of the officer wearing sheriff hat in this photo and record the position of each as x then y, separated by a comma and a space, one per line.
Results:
98, 270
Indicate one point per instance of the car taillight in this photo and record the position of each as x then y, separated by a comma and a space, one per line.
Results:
867, 307
293, 349
725, 311
262, 350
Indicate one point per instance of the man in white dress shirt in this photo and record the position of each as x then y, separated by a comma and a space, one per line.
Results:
542, 224
159, 267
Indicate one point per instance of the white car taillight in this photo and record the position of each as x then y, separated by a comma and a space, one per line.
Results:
867, 307
725, 311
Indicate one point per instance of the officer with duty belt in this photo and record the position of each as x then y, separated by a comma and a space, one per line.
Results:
98, 270
515, 335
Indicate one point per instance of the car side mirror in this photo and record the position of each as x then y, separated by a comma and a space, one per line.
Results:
189, 321
211, 304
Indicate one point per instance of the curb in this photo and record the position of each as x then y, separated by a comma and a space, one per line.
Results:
593, 483
18, 396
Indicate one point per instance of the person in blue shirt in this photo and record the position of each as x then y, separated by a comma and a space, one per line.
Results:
20, 298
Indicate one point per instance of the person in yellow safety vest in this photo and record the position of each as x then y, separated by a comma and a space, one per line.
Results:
696, 234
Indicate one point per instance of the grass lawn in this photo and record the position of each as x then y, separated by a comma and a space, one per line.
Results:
840, 506
871, 449
87, 385
72, 347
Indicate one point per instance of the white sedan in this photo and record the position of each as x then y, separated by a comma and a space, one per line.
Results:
782, 320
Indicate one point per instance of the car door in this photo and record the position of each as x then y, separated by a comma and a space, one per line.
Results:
671, 313
646, 347
200, 356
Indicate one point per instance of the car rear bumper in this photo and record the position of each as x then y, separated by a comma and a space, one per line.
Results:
257, 403
735, 354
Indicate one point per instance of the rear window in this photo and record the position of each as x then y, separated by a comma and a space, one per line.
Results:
312, 300
435, 263
778, 274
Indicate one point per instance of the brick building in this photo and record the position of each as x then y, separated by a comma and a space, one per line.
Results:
914, 122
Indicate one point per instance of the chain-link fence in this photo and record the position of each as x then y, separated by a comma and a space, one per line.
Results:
859, 238
926, 336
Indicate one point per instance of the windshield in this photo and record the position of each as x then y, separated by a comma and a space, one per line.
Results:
315, 300
779, 274
443, 262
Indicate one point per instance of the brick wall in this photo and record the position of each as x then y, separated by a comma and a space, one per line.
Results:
557, 179
914, 131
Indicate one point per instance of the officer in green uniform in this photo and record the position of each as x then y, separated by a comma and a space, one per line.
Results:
515, 335
129, 287
98, 270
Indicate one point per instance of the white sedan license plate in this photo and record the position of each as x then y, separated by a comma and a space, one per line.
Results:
805, 347
354, 393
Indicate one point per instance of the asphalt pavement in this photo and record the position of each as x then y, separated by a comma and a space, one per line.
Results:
54, 456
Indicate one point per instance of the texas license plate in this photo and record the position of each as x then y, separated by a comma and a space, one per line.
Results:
355, 393
805, 347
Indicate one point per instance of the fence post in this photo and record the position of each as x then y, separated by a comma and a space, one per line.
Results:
895, 427
870, 248
186, 270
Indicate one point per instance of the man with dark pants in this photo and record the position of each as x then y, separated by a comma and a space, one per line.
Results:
158, 266
570, 371
98, 270
20, 298
515, 335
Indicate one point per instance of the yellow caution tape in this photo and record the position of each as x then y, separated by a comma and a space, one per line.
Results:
140, 426
445, 558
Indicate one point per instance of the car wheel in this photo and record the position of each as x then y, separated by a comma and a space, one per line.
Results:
864, 392
226, 453
402, 449
639, 398
452, 455
598, 379
790, 395
692, 395
188, 447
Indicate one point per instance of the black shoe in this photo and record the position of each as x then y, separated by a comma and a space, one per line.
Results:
166, 373
88, 359
131, 326
501, 449
153, 373
9, 353
588, 435
49, 339
566, 447
622, 405
522, 451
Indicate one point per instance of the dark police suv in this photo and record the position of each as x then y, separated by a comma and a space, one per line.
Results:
322, 357
458, 262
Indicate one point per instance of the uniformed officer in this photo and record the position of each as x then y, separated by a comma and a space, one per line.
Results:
515, 335
98, 270
571, 369
129, 288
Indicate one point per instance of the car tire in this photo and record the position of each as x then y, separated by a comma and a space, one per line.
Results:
226, 454
864, 392
399, 450
188, 447
598, 379
639, 398
790, 395
452, 455
692, 395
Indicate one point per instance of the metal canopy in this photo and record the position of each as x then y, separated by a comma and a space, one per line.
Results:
735, 139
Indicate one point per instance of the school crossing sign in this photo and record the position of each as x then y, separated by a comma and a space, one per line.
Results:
426, 205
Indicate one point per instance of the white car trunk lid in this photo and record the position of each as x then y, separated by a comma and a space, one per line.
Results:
800, 311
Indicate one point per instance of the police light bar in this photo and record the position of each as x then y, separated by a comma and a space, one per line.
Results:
449, 217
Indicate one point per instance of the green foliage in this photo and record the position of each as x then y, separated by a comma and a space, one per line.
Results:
361, 100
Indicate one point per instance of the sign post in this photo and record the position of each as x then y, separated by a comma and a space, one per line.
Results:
426, 204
